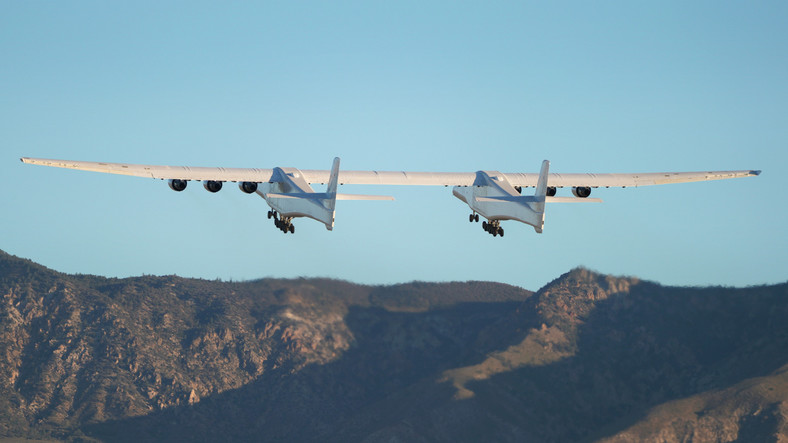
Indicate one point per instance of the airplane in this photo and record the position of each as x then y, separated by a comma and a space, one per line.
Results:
494, 195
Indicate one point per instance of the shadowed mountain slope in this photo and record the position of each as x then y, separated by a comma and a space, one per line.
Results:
588, 357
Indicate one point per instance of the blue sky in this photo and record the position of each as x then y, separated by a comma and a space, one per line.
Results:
443, 86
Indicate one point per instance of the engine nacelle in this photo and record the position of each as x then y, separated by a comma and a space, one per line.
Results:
581, 191
212, 185
551, 191
247, 187
177, 184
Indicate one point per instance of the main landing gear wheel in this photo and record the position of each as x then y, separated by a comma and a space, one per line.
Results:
284, 224
493, 228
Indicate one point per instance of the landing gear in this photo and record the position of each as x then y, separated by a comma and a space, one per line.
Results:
284, 224
493, 228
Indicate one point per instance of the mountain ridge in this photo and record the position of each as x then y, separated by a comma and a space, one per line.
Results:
587, 357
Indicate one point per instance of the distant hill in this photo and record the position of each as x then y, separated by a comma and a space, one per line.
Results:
588, 357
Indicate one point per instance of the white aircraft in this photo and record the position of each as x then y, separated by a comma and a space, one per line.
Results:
494, 195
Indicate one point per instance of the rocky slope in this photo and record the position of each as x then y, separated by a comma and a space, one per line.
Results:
589, 357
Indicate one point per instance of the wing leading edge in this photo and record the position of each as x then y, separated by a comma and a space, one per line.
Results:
389, 177
494, 195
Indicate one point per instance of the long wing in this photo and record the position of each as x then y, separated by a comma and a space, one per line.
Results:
161, 172
391, 177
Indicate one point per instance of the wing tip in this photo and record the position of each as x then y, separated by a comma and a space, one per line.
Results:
755, 172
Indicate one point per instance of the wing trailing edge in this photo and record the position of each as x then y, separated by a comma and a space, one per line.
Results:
491, 194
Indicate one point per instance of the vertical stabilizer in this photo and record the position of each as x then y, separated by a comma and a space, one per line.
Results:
541, 185
540, 194
331, 192
333, 180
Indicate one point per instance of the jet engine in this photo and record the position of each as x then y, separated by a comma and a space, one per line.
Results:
581, 191
248, 187
212, 185
177, 184
551, 191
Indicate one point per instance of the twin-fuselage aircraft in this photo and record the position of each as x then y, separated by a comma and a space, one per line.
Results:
492, 195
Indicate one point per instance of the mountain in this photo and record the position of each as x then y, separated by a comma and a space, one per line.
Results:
589, 357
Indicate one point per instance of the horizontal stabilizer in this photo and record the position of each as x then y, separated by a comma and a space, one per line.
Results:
506, 198
363, 197
298, 195
535, 199
572, 200
325, 195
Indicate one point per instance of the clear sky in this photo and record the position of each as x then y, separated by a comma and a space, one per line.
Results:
426, 86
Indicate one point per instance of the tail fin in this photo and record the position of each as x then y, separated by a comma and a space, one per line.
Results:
333, 180
331, 192
541, 184
540, 195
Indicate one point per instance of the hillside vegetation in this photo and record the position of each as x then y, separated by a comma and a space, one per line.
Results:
589, 357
